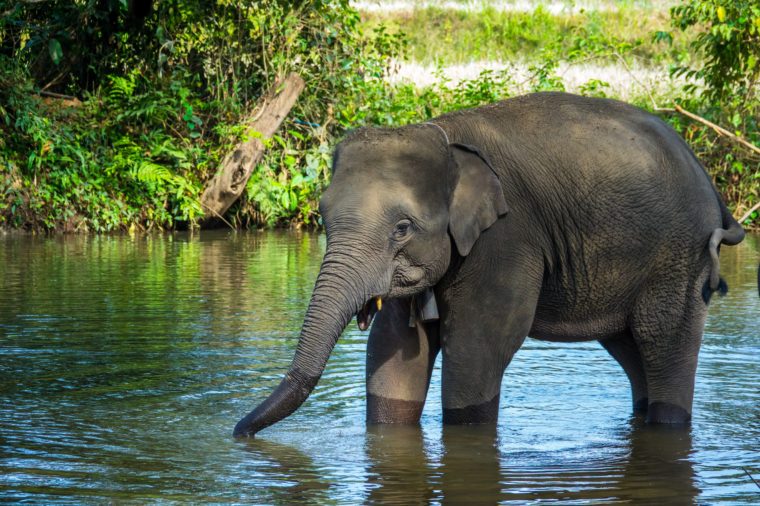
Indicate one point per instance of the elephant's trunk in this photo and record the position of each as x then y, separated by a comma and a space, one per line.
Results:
336, 298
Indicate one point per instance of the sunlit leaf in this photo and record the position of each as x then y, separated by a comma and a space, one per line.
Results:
55, 50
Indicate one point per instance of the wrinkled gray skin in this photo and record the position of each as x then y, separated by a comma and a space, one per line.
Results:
550, 215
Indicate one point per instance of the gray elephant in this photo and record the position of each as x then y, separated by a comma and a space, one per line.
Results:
549, 215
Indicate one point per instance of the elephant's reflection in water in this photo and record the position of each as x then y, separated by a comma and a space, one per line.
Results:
471, 464
659, 467
400, 469
467, 466
287, 475
405, 468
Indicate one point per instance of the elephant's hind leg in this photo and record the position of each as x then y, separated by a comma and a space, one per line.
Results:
400, 361
624, 350
667, 327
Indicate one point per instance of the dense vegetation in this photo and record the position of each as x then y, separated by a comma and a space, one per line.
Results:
160, 98
114, 113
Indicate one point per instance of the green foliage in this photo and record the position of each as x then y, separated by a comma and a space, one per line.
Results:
161, 99
162, 96
289, 183
101, 165
729, 42
722, 86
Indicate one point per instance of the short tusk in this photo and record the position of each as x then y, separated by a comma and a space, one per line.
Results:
379, 303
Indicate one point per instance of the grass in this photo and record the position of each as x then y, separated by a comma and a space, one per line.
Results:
454, 36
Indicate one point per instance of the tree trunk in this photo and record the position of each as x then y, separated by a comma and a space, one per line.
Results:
230, 180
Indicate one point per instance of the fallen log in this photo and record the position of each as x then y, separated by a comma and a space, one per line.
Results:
231, 177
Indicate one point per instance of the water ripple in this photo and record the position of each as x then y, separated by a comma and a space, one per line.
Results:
125, 362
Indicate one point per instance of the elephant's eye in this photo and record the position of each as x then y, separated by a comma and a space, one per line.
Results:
402, 230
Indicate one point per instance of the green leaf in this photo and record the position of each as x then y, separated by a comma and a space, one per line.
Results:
55, 50
751, 62
285, 200
661, 36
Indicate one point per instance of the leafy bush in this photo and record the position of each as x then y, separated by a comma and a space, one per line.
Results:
729, 43
161, 95
723, 85
162, 98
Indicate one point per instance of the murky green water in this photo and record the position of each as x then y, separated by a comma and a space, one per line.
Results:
125, 363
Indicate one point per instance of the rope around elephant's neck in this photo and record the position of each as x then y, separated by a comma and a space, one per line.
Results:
439, 127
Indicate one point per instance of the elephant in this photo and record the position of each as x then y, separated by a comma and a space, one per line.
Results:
549, 215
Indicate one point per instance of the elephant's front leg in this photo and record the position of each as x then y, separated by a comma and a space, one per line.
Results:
486, 322
400, 360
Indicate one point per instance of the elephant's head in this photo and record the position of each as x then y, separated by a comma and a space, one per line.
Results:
398, 200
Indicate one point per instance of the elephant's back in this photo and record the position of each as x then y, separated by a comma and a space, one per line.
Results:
583, 138
600, 158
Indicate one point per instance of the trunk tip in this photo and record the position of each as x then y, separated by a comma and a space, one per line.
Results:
286, 398
243, 429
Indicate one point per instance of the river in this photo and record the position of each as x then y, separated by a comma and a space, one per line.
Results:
125, 362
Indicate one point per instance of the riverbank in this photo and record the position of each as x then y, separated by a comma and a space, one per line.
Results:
134, 151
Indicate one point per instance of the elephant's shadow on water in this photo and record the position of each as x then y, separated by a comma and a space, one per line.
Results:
291, 475
468, 464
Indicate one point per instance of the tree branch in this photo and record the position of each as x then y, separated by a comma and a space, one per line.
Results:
748, 213
718, 129
231, 178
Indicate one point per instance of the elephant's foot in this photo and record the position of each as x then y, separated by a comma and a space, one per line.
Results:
384, 410
664, 412
641, 406
487, 412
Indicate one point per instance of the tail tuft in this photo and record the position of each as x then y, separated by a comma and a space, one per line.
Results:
722, 287
731, 236
707, 292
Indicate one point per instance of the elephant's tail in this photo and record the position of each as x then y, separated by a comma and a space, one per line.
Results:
732, 234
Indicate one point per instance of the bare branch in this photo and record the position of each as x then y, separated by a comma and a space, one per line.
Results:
718, 129
231, 178
748, 213
51, 94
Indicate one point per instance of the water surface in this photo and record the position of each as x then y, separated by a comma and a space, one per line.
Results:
125, 363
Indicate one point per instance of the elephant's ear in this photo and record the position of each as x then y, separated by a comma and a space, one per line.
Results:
477, 200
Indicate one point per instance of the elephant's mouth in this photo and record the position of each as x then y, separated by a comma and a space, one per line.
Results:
367, 312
